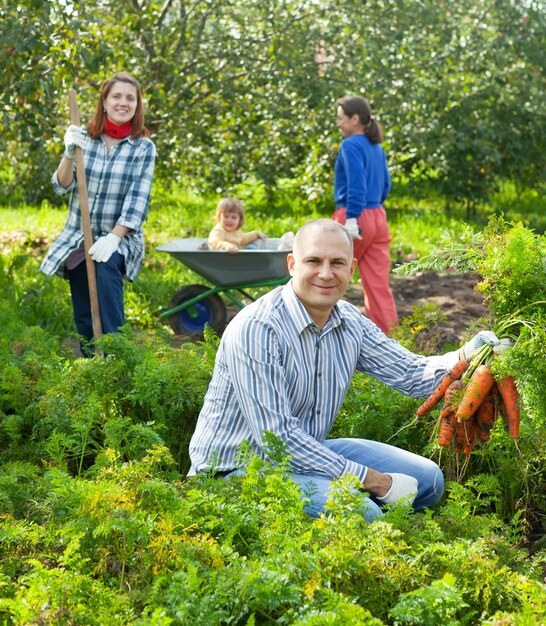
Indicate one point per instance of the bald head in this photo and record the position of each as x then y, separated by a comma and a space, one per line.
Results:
321, 265
322, 225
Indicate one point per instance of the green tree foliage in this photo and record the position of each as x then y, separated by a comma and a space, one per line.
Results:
247, 90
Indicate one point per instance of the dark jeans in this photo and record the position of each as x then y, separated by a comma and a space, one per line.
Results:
110, 291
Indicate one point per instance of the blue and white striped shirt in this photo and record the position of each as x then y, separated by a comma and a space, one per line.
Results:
276, 370
118, 188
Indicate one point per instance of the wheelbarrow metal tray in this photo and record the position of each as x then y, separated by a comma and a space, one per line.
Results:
224, 269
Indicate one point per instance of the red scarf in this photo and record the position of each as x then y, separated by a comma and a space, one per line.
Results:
119, 132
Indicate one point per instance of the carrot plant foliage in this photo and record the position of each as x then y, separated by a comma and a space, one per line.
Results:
99, 524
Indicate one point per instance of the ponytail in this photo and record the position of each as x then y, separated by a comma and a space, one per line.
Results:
373, 130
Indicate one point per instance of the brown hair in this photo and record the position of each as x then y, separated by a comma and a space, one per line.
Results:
356, 105
231, 205
96, 125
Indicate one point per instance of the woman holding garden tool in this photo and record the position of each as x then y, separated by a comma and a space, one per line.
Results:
119, 161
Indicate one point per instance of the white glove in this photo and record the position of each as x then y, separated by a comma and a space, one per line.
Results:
104, 247
503, 346
74, 136
287, 241
352, 228
403, 487
483, 337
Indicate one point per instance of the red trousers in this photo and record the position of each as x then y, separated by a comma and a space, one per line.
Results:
372, 253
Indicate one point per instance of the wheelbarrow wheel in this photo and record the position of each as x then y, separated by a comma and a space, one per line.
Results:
210, 310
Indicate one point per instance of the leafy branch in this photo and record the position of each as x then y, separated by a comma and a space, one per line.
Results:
461, 255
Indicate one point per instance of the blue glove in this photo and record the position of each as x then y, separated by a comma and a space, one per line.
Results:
484, 336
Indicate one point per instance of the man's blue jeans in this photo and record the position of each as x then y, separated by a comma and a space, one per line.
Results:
110, 292
383, 458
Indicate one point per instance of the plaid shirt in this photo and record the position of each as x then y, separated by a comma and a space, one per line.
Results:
118, 188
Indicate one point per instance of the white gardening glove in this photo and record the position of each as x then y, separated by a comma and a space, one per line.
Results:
74, 136
287, 241
352, 228
483, 337
403, 487
503, 346
104, 247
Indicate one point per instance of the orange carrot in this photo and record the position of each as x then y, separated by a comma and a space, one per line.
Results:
510, 396
476, 391
448, 425
485, 417
465, 437
447, 417
454, 374
460, 436
471, 434
454, 392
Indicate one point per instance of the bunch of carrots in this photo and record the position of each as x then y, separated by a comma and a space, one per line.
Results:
473, 400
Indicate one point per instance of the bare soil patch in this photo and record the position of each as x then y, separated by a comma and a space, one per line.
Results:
454, 294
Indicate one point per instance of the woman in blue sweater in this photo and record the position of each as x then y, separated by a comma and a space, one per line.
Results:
361, 186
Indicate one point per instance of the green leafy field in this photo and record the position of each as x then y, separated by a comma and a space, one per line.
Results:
100, 526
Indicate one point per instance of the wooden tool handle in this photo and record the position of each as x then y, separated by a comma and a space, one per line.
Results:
86, 221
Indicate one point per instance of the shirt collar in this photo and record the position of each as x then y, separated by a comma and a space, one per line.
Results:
128, 139
301, 317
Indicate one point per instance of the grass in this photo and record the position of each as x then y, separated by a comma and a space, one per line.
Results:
417, 224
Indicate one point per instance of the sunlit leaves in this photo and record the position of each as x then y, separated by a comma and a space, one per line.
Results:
242, 90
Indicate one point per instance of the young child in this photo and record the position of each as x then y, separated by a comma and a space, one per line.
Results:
228, 234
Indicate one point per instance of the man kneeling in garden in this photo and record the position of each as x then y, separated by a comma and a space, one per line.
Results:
285, 364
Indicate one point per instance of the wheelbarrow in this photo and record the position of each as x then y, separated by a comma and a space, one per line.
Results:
194, 306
